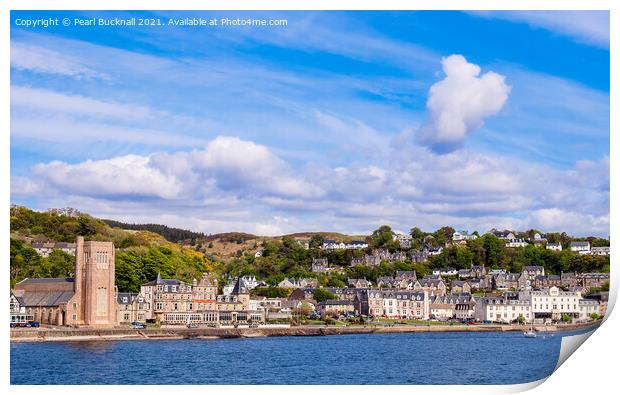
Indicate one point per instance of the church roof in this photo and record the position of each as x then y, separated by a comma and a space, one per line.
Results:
46, 280
46, 299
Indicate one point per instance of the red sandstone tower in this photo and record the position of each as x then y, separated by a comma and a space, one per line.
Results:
94, 283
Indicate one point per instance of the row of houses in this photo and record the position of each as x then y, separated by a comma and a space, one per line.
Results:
45, 249
172, 301
550, 304
341, 245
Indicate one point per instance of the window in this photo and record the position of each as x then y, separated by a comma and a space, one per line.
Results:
102, 302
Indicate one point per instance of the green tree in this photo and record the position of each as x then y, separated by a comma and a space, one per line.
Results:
321, 295
382, 237
316, 241
60, 264
271, 292
86, 228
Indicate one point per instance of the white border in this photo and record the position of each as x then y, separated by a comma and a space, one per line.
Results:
592, 368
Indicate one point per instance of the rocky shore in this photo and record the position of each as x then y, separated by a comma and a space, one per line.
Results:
70, 334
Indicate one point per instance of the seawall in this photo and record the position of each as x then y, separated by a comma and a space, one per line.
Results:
83, 334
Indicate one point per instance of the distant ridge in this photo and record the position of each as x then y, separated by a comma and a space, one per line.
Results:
171, 234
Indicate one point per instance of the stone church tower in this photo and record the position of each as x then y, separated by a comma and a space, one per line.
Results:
95, 292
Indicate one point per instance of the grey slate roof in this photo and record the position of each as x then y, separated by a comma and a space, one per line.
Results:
47, 280
45, 299
125, 297
579, 243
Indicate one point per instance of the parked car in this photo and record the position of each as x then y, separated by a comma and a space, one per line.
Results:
33, 324
138, 325
192, 325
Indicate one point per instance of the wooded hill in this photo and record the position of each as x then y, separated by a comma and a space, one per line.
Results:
142, 254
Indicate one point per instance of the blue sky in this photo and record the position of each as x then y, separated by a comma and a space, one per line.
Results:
337, 121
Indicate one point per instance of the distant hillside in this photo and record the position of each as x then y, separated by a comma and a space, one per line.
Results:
171, 234
141, 254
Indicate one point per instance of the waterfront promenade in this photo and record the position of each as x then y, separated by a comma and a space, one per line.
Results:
71, 334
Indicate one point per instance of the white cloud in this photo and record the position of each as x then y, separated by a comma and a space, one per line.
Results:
227, 166
130, 175
458, 104
32, 99
234, 184
558, 220
239, 164
23, 187
42, 60
590, 27
64, 129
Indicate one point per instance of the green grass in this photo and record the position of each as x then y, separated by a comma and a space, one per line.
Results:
412, 322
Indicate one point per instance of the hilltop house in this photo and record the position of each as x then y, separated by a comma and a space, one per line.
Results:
603, 251
44, 249
445, 271
580, 247
504, 235
463, 236
340, 245
298, 283
403, 240
320, 265
516, 243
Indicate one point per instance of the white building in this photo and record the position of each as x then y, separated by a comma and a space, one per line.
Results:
228, 288
580, 247
554, 246
463, 235
340, 245
515, 243
538, 238
441, 310
445, 271
501, 309
356, 245
552, 303
587, 307
333, 245
249, 282
603, 251
432, 251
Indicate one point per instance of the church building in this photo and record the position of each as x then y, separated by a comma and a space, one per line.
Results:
88, 299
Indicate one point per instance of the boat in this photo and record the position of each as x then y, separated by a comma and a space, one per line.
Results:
530, 333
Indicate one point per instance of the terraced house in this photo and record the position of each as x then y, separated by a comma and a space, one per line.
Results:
397, 304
